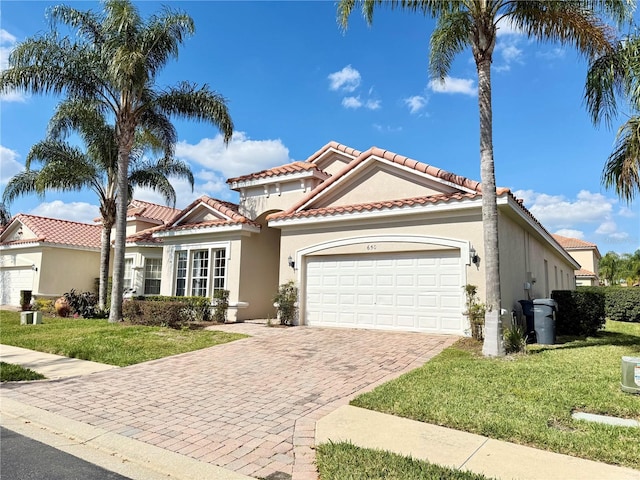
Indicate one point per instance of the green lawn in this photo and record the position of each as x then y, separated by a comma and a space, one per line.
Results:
104, 342
527, 399
15, 373
344, 461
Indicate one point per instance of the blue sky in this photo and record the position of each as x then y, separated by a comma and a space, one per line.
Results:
295, 81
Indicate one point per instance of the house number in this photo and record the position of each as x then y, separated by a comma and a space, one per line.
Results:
372, 247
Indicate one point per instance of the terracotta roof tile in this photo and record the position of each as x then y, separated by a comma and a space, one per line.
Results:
289, 168
335, 146
374, 206
57, 231
162, 213
585, 273
572, 243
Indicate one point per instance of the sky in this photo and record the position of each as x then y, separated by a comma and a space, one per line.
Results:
294, 81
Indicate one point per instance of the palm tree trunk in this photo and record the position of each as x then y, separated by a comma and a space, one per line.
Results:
105, 255
126, 132
493, 327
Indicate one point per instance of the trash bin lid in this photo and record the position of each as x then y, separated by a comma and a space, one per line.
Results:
550, 302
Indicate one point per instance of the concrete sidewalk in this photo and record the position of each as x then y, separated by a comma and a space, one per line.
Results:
51, 366
457, 449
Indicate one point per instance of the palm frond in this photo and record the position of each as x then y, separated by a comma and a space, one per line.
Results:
23, 183
450, 37
622, 170
87, 23
187, 100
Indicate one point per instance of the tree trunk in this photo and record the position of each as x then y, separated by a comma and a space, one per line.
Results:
126, 131
105, 255
493, 345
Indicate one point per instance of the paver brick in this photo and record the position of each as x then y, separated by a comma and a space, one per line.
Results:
258, 413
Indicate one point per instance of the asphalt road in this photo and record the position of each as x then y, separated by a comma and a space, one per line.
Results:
22, 458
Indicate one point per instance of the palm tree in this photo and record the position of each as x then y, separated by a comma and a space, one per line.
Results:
114, 60
609, 267
617, 74
5, 214
69, 168
474, 23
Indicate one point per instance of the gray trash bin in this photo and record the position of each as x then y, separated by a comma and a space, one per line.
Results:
544, 320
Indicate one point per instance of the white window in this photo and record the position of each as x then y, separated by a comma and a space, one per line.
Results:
181, 273
219, 268
199, 273
152, 276
128, 273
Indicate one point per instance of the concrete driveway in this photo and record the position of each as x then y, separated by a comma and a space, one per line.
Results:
248, 406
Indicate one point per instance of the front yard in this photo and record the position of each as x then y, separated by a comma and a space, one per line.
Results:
527, 399
104, 342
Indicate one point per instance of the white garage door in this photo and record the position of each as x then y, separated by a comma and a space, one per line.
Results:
12, 280
413, 291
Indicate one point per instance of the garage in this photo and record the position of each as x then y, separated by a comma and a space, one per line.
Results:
12, 280
409, 291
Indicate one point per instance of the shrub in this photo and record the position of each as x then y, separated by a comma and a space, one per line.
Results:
221, 299
622, 304
286, 302
25, 300
580, 312
157, 313
199, 308
84, 304
515, 339
475, 311
44, 305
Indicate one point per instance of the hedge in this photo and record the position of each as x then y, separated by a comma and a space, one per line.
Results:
580, 312
622, 304
157, 314
199, 307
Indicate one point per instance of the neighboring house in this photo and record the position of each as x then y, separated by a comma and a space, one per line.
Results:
47, 256
587, 255
372, 239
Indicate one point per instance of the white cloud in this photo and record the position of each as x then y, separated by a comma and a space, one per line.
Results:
626, 212
347, 79
415, 103
571, 233
351, 102
9, 164
243, 155
607, 227
386, 128
7, 43
464, 86
553, 54
373, 104
75, 211
506, 28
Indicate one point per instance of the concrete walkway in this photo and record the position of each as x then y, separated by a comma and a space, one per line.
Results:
461, 450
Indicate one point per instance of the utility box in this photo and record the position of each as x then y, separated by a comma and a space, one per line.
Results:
30, 318
544, 320
630, 382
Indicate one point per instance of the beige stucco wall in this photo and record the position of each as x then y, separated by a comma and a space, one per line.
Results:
259, 264
586, 259
464, 229
379, 183
333, 162
255, 201
62, 269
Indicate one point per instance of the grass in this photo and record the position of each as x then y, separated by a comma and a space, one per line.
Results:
15, 373
527, 399
344, 461
104, 342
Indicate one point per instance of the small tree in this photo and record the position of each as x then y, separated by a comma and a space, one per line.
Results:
286, 301
221, 298
475, 311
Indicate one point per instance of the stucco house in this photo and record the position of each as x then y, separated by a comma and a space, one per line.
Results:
587, 255
372, 239
49, 256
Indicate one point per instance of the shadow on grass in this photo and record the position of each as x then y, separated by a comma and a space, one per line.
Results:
602, 339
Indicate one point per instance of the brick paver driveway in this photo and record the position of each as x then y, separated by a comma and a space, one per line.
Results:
250, 405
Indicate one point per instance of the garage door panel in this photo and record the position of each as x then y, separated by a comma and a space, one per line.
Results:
398, 291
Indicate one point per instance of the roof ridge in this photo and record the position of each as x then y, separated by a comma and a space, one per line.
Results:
29, 215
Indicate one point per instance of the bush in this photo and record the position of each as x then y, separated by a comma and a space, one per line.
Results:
287, 302
157, 313
84, 304
25, 300
475, 311
622, 304
199, 308
221, 298
44, 305
580, 312
515, 339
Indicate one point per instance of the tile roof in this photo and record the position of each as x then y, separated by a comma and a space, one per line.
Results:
153, 211
585, 273
572, 243
374, 206
228, 209
287, 169
335, 146
57, 231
